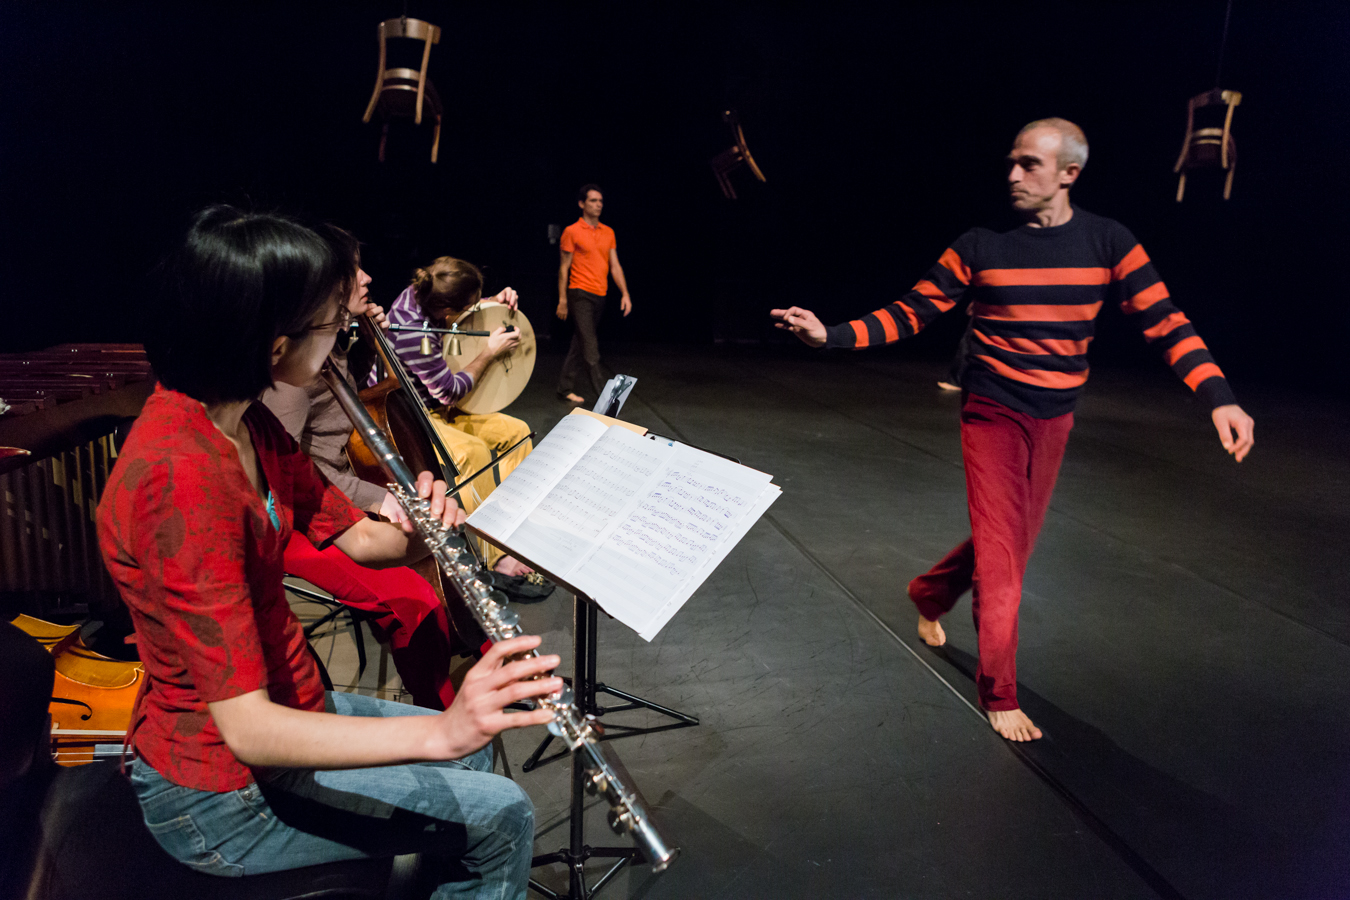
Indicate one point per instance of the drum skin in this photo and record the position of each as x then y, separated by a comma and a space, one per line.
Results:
506, 376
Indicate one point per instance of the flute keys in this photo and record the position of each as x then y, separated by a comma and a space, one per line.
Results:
597, 783
620, 822
509, 618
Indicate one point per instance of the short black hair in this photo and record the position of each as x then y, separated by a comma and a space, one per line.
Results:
586, 189
236, 283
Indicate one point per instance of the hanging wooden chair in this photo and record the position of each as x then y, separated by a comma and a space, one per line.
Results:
1209, 147
738, 155
402, 92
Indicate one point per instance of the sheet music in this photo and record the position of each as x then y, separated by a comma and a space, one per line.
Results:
658, 618
610, 478
507, 506
638, 525
697, 507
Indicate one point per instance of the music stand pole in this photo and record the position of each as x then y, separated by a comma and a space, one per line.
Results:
586, 685
585, 623
574, 856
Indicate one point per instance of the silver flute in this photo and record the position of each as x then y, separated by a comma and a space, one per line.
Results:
628, 810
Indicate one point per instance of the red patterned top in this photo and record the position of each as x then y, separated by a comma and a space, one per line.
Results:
198, 561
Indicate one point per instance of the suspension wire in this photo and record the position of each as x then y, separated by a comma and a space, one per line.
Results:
1223, 45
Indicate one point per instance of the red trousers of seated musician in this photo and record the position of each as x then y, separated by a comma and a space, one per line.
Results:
1012, 461
409, 613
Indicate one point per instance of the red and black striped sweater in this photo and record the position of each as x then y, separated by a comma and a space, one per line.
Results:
1035, 294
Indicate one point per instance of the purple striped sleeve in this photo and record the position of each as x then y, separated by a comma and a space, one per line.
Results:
440, 383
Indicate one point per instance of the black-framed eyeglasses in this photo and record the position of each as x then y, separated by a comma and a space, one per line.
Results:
343, 322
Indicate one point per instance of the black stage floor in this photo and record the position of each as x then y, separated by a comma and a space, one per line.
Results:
1185, 642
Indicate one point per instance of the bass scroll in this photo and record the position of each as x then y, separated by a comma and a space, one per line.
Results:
628, 810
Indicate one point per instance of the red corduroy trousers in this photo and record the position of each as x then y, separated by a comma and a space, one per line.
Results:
1012, 461
409, 613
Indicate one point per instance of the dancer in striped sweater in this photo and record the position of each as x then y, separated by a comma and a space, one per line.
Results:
1035, 295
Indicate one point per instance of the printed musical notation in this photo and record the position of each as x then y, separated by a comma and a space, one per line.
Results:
592, 495
512, 501
683, 523
635, 524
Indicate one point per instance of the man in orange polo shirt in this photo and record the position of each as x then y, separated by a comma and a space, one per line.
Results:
588, 258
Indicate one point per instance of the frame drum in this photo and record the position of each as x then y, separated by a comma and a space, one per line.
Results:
506, 376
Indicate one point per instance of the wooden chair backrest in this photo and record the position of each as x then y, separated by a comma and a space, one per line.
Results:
1216, 97
417, 29
413, 29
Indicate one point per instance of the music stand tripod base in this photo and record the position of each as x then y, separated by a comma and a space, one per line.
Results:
584, 689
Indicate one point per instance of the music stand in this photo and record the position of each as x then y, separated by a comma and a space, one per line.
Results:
585, 619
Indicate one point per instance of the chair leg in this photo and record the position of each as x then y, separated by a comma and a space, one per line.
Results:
725, 183
499, 749
1181, 187
436, 139
319, 623
1228, 182
323, 670
360, 645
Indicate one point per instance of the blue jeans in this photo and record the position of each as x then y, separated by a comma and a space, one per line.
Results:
478, 825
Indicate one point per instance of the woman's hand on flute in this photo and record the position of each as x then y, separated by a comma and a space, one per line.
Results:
442, 507
377, 545
499, 679
262, 733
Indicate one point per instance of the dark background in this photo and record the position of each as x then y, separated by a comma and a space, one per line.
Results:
881, 133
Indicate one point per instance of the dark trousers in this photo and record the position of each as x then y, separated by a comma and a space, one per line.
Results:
1012, 463
581, 371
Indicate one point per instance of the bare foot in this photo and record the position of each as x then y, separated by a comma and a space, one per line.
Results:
574, 398
931, 632
1013, 724
509, 565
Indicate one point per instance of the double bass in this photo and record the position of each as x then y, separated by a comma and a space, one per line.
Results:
397, 408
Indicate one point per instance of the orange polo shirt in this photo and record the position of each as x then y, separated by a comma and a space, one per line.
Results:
590, 255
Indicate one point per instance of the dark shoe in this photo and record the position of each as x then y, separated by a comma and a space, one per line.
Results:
529, 588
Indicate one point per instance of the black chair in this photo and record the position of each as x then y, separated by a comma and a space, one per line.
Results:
74, 833
95, 843
336, 608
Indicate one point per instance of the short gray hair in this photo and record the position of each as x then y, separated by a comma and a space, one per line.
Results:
1073, 145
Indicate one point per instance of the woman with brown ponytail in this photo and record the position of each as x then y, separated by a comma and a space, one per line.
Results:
438, 294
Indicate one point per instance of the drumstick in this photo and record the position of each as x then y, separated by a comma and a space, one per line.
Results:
507, 452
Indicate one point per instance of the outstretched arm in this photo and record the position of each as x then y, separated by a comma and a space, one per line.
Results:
801, 322
933, 295
1235, 430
